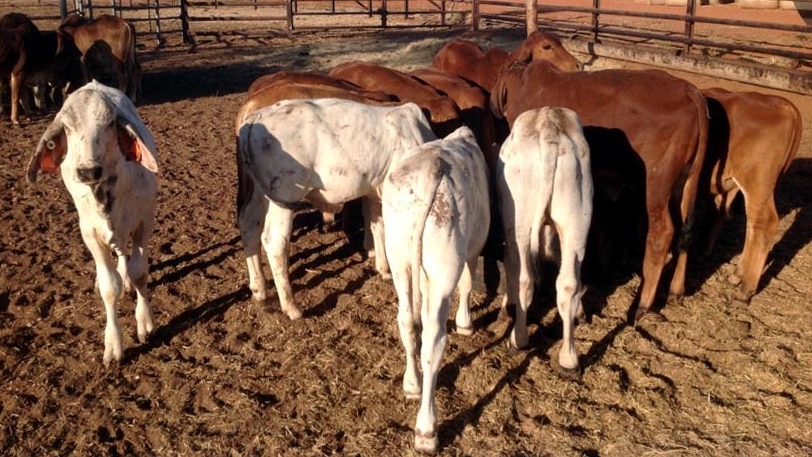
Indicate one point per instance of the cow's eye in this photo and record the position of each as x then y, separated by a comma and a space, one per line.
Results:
547, 47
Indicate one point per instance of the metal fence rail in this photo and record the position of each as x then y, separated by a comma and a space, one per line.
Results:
682, 30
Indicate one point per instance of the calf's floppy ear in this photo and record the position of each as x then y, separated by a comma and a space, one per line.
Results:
51, 150
137, 144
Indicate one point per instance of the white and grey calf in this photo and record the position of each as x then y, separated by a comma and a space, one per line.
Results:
107, 159
543, 180
436, 213
324, 151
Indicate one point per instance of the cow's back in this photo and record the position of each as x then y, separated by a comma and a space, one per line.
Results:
344, 155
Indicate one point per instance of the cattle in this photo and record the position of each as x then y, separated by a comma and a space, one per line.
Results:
472, 102
117, 63
629, 116
107, 158
346, 153
467, 59
313, 79
544, 180
753, 139
32, 58
275, 90
16, 30
443, 112
436, 212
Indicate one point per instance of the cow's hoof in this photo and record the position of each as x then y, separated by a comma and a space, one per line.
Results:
425, 442
465, 331
293, 312
569, 374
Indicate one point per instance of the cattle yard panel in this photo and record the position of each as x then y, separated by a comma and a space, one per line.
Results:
658, 25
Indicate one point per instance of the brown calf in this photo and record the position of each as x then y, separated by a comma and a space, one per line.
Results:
467, 59
753, 139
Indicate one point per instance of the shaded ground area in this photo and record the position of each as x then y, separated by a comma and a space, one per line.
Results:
224, 376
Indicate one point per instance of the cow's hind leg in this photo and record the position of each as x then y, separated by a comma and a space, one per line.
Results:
277, 244
568, 295
658, 239
762, 224
253, 220
463, 316
434, 340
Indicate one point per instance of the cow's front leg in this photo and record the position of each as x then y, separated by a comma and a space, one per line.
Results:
277, 244
109, 283
138, 271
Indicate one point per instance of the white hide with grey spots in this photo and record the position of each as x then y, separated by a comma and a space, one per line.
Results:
544, 187
107, 159
436, 213
326, 152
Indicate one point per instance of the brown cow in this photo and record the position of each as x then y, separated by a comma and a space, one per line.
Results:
29, 56
119, 59
753, 139
472, 101
314, 79
645, 115
15, 30
444, 115
467, 59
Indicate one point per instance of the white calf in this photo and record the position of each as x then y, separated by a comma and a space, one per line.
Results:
325, 151
436, 214
543, 177
107, 159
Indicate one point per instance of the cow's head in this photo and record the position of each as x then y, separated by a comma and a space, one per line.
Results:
96, 128
543, 46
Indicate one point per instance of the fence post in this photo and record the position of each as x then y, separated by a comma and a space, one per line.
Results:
289, 6
690, 10
63, 9
184, 23
596, 6
475, 15
531, 16
383, 13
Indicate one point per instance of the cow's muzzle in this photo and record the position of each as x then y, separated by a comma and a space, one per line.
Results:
88, 175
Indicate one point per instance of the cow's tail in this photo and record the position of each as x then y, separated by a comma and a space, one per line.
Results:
690, 187
795, 143
550, 130
245, 185
433, 177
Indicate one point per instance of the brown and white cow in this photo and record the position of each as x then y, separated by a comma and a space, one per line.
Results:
113, 56
436, 215
108, 162
544, 179
753, 139
444, 114
467, 59
644, 115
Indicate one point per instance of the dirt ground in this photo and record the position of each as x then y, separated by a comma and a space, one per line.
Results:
224, 376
